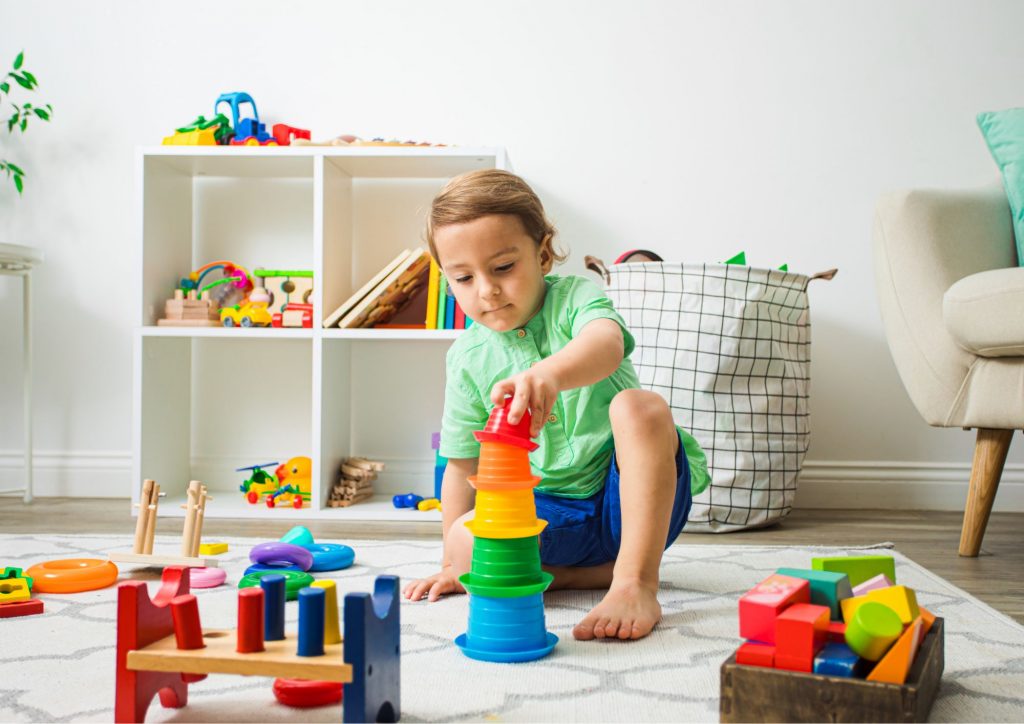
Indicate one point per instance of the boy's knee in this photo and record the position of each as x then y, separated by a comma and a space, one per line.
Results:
642, 408
461, 543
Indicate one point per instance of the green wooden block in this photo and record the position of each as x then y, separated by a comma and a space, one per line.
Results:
858, 568
828, 588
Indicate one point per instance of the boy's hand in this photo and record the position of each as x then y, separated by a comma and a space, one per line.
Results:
434, 587
529, 390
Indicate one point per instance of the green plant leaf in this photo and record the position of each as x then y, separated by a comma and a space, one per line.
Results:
22, 81
10, 124
15, 168
42, 114
5, 87
24, 122
18, 184
30, 78
19, 60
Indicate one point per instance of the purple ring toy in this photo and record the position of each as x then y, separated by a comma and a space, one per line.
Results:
276, 553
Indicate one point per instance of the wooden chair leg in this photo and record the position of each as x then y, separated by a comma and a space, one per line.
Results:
989, 455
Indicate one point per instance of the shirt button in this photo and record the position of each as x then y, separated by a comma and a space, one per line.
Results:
552, 418
521, 333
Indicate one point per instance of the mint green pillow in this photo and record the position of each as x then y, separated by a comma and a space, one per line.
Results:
1004, 134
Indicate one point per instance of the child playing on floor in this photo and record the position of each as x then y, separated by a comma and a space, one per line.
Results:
617, 475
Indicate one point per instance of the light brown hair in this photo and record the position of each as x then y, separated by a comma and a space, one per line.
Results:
482, 193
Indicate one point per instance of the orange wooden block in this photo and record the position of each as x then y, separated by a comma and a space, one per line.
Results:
928, 618
895, 665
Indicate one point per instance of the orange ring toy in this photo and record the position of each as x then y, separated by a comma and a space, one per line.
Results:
72, 575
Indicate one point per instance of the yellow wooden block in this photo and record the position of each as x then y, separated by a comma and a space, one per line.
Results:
900, 599
895, 665
849, 606
212, 549
332, 633
14, 589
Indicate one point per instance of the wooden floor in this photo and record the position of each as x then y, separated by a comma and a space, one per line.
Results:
930, 538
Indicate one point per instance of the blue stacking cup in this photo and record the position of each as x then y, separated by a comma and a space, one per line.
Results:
506, 629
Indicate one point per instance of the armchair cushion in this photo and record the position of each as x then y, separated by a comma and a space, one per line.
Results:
984, 312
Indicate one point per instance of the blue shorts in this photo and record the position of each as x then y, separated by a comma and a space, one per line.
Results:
588, 531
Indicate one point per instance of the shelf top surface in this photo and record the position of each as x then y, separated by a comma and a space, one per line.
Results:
371, 335
300, 161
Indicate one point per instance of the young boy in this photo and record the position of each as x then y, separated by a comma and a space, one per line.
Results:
617, 474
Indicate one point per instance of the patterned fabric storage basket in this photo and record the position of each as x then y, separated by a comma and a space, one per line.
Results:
728, 347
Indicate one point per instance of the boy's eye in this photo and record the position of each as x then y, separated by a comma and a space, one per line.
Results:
462, 280
505, 267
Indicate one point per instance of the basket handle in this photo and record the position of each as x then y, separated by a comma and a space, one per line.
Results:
597, 266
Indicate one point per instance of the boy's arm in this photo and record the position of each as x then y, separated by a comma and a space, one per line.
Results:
592, 355
457, 497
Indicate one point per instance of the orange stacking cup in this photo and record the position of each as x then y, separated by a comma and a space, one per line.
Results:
505, 514
503, 467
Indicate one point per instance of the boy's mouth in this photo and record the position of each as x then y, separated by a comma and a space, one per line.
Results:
496, 309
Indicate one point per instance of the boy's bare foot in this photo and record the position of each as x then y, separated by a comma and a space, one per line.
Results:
629, 610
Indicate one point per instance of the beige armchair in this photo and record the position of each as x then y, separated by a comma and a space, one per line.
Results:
952, 301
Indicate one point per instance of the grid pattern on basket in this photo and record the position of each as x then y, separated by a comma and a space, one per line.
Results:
729, 348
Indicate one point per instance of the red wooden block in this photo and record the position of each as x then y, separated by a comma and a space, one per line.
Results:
800, 632
760, 605
21, 608
755, 654
837, 632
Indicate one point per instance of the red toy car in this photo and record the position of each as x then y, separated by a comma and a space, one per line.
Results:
294, 315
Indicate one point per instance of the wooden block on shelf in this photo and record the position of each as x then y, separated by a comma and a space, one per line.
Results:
356, 473
364, 463
752, 693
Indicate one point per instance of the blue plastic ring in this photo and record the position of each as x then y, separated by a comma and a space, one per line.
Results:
330, 556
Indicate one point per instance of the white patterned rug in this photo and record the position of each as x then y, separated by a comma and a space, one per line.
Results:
60, 666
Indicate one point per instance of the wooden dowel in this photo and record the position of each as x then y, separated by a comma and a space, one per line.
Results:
151, 511
140, 521
197, 534
190, 518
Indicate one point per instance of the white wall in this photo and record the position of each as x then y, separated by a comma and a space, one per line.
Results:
695, 129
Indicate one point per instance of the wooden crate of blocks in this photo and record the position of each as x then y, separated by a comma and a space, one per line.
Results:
355, 483
840, 641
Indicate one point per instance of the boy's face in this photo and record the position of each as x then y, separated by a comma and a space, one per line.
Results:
495, 270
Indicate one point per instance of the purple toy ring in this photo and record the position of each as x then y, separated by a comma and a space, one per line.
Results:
276, 552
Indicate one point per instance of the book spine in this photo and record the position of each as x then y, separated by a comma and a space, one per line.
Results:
460, 317
432, 284
441, 297
449, 313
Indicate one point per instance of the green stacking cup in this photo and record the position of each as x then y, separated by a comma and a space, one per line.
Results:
506, 568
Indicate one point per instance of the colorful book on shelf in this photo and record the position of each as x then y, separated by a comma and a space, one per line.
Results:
432, 283
442, 287
406, 281
449, 313
350, 303
460, 317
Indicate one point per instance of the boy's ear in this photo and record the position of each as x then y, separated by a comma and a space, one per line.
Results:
547, 254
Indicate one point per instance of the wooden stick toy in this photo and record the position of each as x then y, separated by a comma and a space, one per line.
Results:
145, 529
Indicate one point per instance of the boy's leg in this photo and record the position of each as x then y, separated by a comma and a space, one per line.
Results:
646, 443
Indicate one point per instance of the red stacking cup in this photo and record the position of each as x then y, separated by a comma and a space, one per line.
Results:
498, 428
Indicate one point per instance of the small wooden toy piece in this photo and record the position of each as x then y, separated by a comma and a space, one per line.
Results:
762, 604
872, 630
212, 549
827, 587
858, 568
800, 632
754, 654
837, 659
186, 310
161, 646
14, 589
900, 599
21, 608
879, 581
145, 529
895, 665
356, 483
286, 287
836, 632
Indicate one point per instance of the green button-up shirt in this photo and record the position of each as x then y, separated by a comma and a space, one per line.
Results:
576, 441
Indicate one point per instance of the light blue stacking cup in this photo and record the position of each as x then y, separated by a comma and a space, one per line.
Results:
506, 629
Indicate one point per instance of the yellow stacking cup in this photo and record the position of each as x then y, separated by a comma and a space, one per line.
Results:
505, 514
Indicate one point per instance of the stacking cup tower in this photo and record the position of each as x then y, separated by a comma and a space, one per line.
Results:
505, 582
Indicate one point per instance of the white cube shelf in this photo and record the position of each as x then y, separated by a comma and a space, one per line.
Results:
208, 400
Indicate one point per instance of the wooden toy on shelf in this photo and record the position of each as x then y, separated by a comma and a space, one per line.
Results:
286, 286
162, 647
186, 310
145, 529
356, 483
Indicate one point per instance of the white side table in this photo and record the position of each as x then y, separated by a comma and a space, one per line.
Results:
18, 261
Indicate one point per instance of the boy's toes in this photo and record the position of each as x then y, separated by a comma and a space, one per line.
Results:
584, 630
601, 627
626, 630
611, 630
